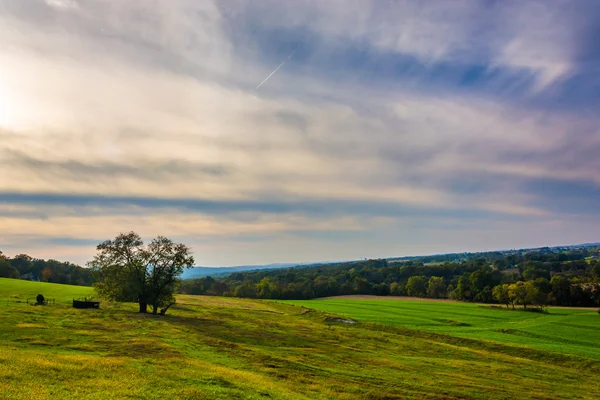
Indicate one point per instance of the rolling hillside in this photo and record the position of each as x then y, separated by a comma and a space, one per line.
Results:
225, 348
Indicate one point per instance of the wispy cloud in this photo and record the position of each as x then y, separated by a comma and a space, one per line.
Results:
408, 122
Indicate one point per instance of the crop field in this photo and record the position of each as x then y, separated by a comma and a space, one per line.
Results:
564, 330
225, 348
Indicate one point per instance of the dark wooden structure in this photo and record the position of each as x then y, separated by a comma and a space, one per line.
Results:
40, 300
85, 303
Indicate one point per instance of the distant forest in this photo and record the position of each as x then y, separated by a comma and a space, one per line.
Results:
568, 276
540, 277
23, 266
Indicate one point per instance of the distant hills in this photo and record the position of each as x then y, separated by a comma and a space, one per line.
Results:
200, 272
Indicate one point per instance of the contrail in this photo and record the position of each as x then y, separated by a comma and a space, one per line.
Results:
275, 70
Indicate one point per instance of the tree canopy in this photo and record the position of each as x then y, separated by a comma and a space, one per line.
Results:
26, 267
126, 270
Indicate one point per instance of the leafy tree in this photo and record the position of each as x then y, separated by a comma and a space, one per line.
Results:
501, 294
450, 291
523, 293
7, 270
381, 289
561, 290
265, 288
128, 271
362, 286
416, 286
46, 275
596, 270
397, 289
436, 288
544, 288
22, 262
463, 289
533, 273
247, 289
482, 281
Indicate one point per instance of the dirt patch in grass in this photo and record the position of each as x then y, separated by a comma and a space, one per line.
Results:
341, 320
32, 326
372, 297
451, 322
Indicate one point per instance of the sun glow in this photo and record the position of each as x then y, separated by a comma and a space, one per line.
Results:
5, 109
12, 107
8, 108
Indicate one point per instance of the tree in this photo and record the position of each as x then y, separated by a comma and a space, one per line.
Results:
362, 286
265, 288
561, 290
436, 288
127, 271
482, 282
397, 289
501, 294
596, 270
544, 288
463, 289
523, 293
533, 273
246, 289
7, 270
46, 275
22, 262
381, 289
416, 286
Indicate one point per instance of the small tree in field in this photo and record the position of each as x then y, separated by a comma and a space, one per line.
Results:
127, 271
523, 293
501, 294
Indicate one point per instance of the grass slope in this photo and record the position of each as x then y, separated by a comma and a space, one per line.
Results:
572, 331
223, 348
12, 290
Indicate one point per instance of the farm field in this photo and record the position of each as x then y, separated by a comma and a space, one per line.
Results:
572, 331
225, 348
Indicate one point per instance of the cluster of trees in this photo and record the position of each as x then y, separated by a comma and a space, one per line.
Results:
23, 266
563, 289
566, 277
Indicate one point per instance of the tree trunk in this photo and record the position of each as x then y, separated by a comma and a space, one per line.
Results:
143, 307
163, 311
154, 309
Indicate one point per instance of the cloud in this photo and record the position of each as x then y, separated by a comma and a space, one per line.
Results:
422, 117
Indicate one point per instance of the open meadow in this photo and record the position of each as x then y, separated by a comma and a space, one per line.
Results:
225, 348
563, 330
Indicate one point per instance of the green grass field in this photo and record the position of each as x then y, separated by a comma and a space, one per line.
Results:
224, 348
14, 290
564, 330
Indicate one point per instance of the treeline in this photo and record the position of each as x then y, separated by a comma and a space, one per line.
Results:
540, 277
23, 266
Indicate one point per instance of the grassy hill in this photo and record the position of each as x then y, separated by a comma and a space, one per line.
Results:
224, 348
565, 330
15, 290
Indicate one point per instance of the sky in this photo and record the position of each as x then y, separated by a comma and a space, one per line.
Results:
270, 131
